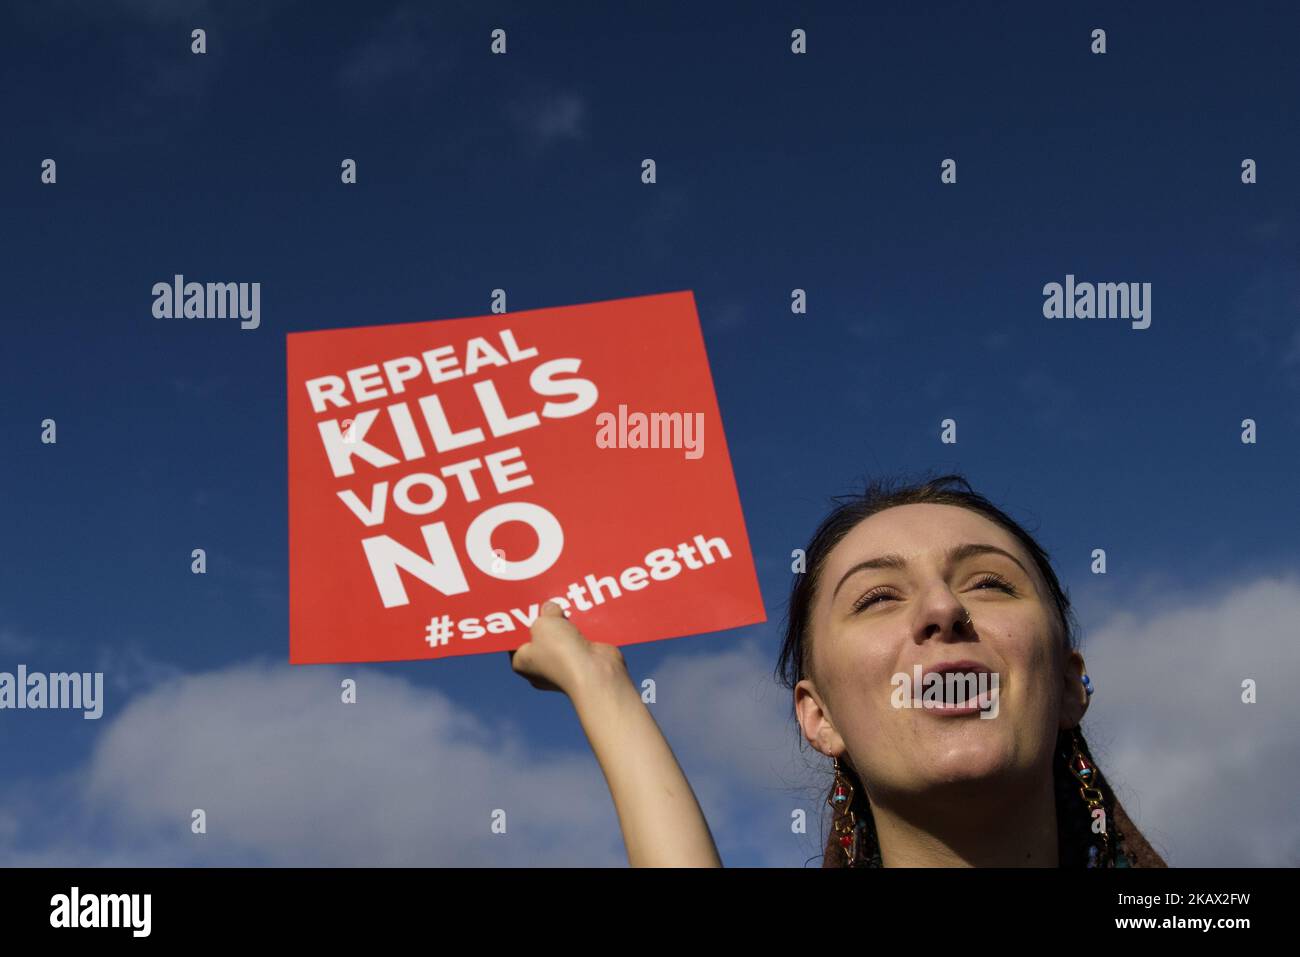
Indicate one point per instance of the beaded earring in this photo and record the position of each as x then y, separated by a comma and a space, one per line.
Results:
1085, 772
844, 824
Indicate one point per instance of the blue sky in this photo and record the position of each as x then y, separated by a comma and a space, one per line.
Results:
522, 172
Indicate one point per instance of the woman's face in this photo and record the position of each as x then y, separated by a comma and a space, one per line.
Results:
912, 616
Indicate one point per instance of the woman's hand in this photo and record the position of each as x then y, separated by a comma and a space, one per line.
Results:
559, 658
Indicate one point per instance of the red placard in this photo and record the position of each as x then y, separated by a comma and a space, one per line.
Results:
447, 478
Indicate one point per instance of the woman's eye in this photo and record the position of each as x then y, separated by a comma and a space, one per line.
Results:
997, 581
868, 600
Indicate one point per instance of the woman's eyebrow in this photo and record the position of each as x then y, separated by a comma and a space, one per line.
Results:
955, 554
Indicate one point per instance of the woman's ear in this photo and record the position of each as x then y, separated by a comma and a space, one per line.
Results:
815, 719
1074, 696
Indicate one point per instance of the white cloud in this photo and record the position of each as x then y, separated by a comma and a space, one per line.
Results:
289, 775
399, 49
1209, 780
549, 118
408, 49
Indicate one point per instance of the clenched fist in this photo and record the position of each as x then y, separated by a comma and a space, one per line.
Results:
559, 658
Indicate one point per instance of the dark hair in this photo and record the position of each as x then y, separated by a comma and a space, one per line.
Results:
1074, 836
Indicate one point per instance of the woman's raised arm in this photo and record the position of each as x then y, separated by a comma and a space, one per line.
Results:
661, 820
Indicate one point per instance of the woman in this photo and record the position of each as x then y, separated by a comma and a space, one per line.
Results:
899, 583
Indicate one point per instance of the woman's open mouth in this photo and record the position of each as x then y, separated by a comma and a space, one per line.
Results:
958, 701
958, 688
